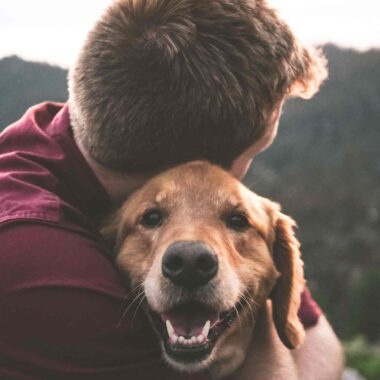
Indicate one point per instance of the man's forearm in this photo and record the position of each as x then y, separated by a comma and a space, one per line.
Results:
267, 357
319, 358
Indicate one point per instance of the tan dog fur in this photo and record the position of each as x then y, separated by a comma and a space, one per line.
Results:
255, 264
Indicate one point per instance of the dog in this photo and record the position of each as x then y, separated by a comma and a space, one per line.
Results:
208, 253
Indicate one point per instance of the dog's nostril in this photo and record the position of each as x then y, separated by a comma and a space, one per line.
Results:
175, 264
206, 263
189, 264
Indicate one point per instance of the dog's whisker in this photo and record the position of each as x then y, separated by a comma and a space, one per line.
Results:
248, 301
126, 298
133, 290
137, 308
251, 302
256, 179
136, 299
141, 291
238, 315
248, 298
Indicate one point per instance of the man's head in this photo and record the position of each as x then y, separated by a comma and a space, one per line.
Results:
160, 82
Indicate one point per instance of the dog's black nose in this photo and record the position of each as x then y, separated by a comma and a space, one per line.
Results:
189, 264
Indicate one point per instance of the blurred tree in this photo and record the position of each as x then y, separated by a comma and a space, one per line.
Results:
364, 307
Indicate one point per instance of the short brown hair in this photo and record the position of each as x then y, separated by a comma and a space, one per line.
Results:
160, 82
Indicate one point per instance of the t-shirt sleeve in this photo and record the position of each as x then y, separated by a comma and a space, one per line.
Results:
62, 311
309, 311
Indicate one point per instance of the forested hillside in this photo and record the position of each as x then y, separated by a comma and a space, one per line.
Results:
23, 84
324, 169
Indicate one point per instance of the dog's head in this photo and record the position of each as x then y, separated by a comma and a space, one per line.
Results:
207, 253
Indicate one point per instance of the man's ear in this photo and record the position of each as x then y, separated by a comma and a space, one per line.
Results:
286, 295
310, 68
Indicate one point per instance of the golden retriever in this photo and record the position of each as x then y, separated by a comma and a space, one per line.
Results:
208, 253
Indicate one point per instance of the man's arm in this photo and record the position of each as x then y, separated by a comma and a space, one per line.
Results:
321, 355
61, 304
319, 358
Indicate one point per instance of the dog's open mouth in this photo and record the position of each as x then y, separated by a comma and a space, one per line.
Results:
190, 330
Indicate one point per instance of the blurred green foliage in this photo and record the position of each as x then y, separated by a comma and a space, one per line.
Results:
364, 307
364, 357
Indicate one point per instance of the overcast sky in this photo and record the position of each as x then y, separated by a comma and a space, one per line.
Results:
52, 30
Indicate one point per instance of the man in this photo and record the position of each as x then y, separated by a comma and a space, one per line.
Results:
157, 83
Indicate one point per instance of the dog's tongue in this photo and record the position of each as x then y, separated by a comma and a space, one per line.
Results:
189, 320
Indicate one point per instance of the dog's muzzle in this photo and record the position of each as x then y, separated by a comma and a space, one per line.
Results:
190, 327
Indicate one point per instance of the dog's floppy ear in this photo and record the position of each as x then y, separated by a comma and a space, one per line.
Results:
286, 295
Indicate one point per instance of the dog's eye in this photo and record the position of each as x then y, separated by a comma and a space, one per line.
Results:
152, 219
237, 221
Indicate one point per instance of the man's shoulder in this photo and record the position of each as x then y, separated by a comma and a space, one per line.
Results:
42, 174
27, 158
43, 254
35, 118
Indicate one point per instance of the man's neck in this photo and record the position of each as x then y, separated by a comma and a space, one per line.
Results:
118, 185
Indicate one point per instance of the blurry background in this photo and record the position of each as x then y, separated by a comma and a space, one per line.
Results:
324, 167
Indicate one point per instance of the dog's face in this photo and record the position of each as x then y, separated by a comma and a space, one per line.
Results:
207, 253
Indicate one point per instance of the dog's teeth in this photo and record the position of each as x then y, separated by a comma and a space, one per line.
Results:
170, 328
193, 341
206, 329
174, 339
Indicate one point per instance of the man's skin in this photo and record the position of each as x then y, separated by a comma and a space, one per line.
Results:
321, 355
319, 358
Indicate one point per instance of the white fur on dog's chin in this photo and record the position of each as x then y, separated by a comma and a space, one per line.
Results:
188, 368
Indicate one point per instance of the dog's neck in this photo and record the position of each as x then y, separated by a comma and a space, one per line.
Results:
118, 185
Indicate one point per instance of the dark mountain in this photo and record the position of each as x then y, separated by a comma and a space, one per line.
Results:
23, 84
324, 169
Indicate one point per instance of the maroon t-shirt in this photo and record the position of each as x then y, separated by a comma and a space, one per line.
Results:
61, 300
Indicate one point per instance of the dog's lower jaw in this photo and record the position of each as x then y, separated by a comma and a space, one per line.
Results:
227, 355
187, 368
231, 351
